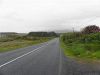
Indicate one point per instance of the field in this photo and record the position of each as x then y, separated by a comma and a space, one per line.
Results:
83, 46
11, 43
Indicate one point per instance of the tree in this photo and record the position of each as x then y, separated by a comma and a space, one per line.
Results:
91, 29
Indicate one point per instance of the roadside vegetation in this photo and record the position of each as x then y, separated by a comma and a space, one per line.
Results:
13, 42
84, 44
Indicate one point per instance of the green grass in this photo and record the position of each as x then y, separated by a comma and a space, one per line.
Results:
88, 49
19, 43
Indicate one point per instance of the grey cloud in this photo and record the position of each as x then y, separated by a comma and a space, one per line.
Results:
33, 15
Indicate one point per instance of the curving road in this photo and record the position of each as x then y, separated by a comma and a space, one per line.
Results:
42, 59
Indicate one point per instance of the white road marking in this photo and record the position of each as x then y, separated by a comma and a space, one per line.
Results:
21, 56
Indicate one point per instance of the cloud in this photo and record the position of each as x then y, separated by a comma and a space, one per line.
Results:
34, 15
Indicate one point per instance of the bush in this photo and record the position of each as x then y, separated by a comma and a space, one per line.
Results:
82, 45
88, 38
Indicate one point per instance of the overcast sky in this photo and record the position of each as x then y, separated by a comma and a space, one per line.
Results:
38, 15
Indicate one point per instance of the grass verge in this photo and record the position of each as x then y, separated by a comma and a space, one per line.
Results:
88, 51
15, 44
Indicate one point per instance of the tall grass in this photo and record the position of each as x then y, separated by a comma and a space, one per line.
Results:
11, 43
81, 45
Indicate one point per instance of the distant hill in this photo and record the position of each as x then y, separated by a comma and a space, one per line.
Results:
63, 31
6, 34
42, 34
22, 34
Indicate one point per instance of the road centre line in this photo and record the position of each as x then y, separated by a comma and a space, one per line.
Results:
22, 56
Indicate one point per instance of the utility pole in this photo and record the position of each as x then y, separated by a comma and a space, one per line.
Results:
73, 30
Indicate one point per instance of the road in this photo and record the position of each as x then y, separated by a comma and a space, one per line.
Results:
42, 59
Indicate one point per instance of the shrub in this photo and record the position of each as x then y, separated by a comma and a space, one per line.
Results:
91, 29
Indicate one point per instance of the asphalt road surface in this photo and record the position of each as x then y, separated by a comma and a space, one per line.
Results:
43, 59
